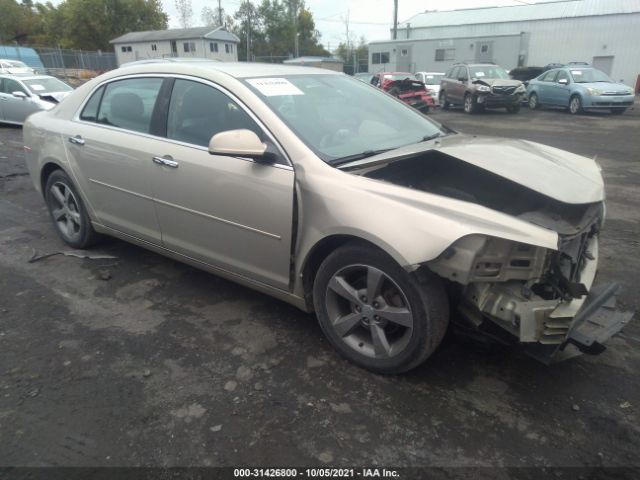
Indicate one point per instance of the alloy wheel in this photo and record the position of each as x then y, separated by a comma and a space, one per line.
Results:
369, 311
533, 101
65, 211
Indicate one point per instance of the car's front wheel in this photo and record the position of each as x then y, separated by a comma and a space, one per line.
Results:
470, 104
376, 314
575, 105
67, 211
533, 101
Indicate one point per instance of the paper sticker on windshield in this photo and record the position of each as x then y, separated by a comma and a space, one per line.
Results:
479, 74
576, 72
37, 87
274, 87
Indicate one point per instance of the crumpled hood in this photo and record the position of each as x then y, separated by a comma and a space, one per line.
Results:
556, 173
57, 96
497, 82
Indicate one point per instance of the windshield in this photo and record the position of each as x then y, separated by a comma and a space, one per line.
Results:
337, 116
589, 75
42, 86
433, 79
488, 72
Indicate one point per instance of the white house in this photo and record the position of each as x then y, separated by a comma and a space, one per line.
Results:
202, 42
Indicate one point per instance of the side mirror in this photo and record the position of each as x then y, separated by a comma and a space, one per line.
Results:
563, 81
239, 143
19, 95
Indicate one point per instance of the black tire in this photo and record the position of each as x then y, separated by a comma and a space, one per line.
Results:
513, 108
68, 212
618, 110
421, 295
470, 104
575, 105
534, 102
444, 103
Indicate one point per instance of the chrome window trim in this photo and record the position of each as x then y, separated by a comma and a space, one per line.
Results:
254, 117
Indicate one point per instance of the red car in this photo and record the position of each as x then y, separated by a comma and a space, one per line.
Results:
404, 86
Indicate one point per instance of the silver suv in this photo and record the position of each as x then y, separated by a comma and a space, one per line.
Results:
477, 86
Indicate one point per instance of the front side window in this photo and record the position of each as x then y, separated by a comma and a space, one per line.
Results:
197, 112
562, 75
338, 116
129, 103
11, 86
549, 76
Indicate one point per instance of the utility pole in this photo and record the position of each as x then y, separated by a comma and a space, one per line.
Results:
293, 13
220, 13
395, 19
249, 6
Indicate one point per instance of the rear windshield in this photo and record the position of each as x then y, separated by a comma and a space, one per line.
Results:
431, 79
42, 86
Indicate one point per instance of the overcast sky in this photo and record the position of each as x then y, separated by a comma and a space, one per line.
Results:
369, 18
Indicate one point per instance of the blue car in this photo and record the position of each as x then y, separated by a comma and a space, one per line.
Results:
579, 88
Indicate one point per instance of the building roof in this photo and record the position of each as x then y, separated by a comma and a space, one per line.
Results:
210, 33
311, 59
522, 13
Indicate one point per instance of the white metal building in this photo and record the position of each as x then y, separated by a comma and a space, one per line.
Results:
605, 33
203, 42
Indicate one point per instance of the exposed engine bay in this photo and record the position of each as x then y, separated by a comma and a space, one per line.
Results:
531, 292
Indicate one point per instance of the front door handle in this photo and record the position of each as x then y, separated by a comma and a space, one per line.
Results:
77, 140
167, 161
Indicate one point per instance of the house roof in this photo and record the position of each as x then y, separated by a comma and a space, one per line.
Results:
520, 13
210, 33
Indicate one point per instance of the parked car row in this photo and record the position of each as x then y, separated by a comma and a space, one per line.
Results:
576, 86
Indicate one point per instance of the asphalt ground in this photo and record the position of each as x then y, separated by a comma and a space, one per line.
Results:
140, 360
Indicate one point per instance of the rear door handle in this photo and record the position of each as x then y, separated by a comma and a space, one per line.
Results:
77, 140
166, 161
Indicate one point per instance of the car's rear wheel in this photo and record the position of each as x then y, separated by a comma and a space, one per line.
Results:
575, 105
618, 111
444, 103
533, 101
67, 211
375, 313
470, 104
513, 108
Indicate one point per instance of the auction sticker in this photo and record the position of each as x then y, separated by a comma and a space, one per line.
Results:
274, 87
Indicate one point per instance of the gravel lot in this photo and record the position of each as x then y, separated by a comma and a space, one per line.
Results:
140, 360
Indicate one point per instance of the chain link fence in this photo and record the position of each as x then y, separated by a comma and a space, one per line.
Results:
75, 65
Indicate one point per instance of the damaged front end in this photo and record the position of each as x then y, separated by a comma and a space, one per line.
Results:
544, 298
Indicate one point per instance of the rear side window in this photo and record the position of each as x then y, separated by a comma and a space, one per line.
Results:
197, 112
129, 103
90, 110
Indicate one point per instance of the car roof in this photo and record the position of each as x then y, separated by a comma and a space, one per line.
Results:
432, 73
233, 69
24, 76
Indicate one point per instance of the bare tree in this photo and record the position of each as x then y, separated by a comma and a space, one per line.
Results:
213, 16
185, 12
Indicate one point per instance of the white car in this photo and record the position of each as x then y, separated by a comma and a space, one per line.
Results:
22, 95
14, 66
431, 80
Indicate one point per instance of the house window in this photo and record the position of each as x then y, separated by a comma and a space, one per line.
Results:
228, 48
443, 54
404, 52
213, 46
189, 47
154, 47
484, 48
382, 57
126, 49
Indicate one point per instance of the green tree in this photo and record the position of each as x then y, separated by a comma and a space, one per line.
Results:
90, 24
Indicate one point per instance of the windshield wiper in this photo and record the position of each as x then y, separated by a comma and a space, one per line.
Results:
426, 138
357, 156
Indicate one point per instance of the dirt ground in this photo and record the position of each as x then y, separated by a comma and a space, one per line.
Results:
140, 360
